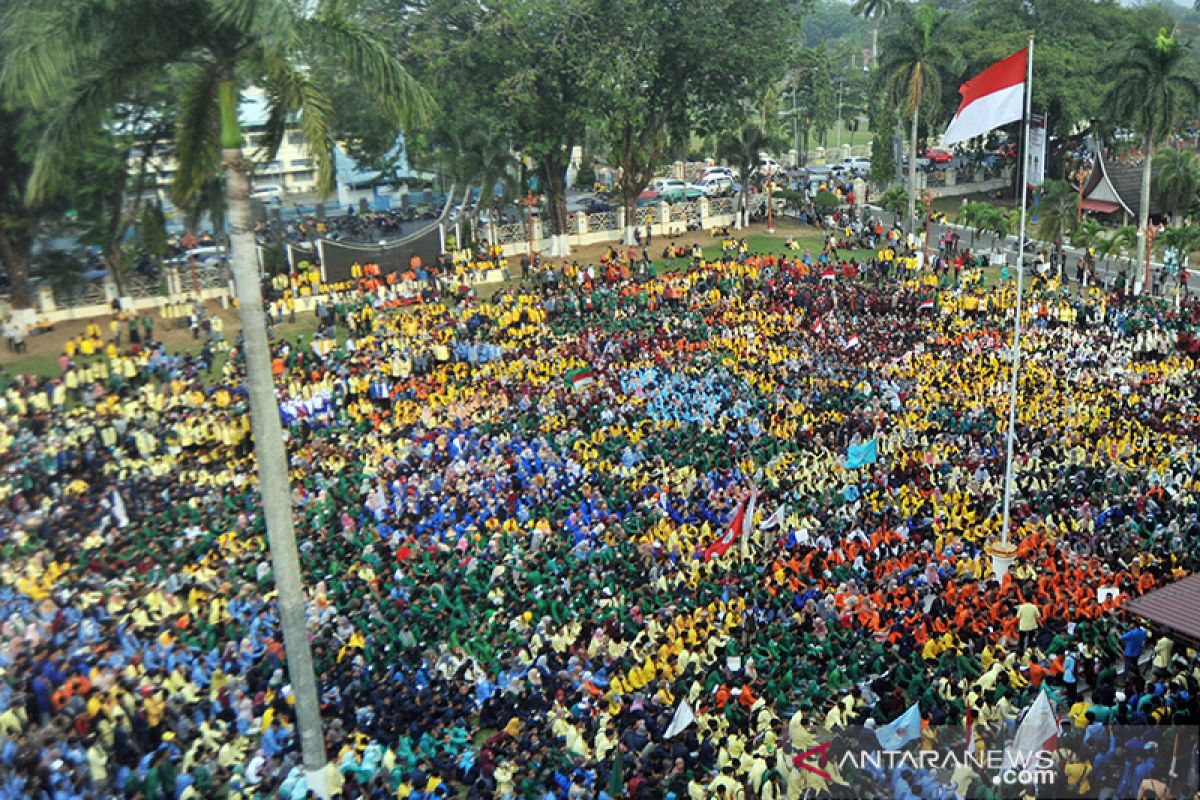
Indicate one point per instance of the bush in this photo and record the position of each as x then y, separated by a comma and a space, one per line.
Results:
825, 203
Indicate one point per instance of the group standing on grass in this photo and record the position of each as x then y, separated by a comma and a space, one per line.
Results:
516, 521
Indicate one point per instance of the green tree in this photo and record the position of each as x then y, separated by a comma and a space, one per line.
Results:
911, 70
152, 231
1154, 89
894, 200
816, 99
18, 217
1176, 181
1056, 211
94, 54
741, 148
1181, 241
876, 10
674, 64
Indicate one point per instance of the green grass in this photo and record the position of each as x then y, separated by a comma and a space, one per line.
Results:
859, 138
41, 366
761, 243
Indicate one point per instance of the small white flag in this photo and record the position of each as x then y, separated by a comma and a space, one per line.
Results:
774, 519
683, 717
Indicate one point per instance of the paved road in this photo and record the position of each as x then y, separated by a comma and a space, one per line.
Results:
1107, 270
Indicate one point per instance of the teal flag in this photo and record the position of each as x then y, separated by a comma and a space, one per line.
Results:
862, 454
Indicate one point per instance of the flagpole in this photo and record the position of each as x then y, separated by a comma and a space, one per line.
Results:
1016, 348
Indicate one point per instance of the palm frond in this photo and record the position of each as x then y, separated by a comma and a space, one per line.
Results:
256, 20
291, 91
197, 134
370, 62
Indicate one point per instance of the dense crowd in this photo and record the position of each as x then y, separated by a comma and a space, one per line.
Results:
506, 512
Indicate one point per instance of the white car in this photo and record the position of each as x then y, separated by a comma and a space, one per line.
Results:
859, 164
267, 193
716, 184
717, 172
665, 185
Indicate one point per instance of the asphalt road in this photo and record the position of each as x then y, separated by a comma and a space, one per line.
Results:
1107, 270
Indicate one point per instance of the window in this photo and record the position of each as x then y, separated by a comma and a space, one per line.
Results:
254, 139
300, 162
295, 137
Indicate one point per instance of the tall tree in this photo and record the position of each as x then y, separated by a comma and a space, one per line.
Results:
876, 10
1176, 181
1153, 90
18, 218
816, 100
94, 53
911, 71
741, 148
660, 71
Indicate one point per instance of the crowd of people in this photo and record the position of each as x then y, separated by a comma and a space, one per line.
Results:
518, 522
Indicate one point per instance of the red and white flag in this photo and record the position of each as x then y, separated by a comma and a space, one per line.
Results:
1037, 733
742, 525
818, 326
852, 343
992, 98
829, 273
970, 748
926, 305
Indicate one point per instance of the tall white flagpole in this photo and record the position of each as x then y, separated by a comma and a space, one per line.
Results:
1016, 347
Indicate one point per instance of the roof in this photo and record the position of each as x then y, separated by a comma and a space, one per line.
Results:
1115, 184
1101, 206
1175, 606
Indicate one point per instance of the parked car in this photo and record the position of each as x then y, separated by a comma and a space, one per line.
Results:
267, 193
710, 172
588, 204
938, 156
716, 185
859, 165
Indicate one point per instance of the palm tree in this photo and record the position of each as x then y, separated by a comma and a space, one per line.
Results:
876, 10
741, 148
1176, 176
1086, 233
1056, 211
95, 53
1153, 90
973, 215
911, 70
1180, 240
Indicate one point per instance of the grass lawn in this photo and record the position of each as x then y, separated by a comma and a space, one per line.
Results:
762, 242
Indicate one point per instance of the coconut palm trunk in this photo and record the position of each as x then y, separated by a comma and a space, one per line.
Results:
912, 166
1144, 211
270, 454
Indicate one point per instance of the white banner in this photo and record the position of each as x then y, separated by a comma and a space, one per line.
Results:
1035, 158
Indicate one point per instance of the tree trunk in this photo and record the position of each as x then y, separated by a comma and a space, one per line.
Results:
554, 174
912, 168
16, 249
270, 454
875, 41
1144, 212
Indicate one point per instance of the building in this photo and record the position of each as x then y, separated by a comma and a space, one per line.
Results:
292, 169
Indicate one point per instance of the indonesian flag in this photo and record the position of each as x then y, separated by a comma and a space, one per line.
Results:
829, 273
1037, 733
742, 525
970, 748
818, 327
992, 98
852, 343
926, 305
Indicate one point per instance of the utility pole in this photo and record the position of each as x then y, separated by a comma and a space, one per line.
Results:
841, 86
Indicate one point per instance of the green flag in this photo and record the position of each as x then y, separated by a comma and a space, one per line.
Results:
616, 782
